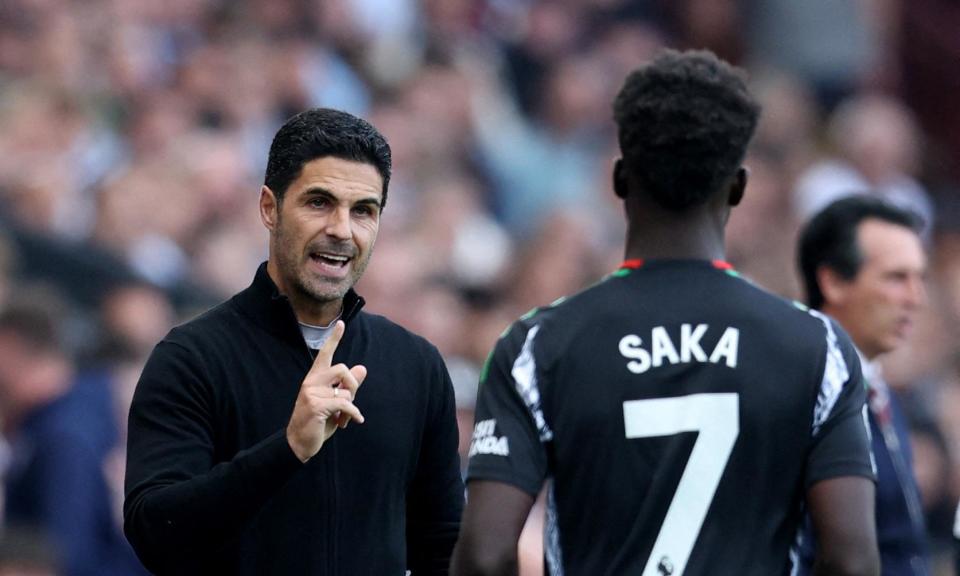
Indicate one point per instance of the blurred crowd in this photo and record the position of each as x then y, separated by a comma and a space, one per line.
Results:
133, 138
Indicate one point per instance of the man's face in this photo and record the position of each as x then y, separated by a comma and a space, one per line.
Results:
322, 234
28, 377
878, 305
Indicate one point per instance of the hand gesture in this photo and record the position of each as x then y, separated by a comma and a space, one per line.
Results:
325, 401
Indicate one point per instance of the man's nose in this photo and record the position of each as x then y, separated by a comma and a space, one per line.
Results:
338, 225
916, 292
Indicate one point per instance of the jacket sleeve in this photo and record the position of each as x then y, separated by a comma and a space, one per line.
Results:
435, 498
181, 504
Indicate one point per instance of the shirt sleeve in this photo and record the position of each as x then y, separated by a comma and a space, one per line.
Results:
841, 434
180, 503
435, 498
510, 432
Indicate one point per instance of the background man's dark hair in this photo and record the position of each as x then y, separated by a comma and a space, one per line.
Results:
830, 238
323, 132
684, 121
35, 315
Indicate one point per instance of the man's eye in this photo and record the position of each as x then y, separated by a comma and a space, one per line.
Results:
363, 210
318, 202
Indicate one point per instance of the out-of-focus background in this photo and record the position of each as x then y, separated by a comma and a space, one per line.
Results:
134, 135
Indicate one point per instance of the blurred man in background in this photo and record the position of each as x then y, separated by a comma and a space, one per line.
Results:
863, 263
61, 430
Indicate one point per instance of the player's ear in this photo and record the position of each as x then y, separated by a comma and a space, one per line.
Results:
269, 208
739, 185
620, 187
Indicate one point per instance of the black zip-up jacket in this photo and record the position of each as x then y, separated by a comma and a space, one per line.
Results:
212, 486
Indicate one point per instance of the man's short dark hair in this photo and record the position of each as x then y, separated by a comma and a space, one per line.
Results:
684, 121
830, 238
321, 132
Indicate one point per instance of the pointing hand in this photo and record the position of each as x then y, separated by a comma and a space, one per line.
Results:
325, 401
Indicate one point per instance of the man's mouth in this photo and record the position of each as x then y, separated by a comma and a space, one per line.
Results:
330, 259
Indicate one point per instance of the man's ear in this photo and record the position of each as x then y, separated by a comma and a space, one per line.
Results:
739, 185
620, 187
832, 286
269, 208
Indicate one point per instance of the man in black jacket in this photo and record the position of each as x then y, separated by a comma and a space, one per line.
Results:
240, 457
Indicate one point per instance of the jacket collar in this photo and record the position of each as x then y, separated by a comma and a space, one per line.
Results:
264, 303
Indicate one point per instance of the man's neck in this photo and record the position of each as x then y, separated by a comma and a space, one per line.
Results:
312, 312
860, 339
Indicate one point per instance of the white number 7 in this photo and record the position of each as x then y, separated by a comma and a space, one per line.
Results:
716, 419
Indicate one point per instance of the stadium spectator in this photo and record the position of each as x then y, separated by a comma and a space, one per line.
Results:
61, 429
877, 143
831, 45
863, 263
221, 477
599, 390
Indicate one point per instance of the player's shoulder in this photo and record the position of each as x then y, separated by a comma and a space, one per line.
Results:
803, 327
834, 333
552, 325
809, 319
787, 317
564, 310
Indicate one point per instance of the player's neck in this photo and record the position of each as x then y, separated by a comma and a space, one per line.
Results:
666, 248
693, 234
674, 240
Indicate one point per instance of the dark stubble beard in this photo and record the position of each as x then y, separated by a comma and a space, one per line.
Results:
292, 265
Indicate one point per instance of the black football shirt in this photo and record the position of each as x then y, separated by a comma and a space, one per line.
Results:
681, 413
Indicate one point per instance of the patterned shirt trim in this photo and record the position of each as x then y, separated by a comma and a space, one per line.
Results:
835, 375
524, 374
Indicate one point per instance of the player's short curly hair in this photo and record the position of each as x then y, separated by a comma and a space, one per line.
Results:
684, 121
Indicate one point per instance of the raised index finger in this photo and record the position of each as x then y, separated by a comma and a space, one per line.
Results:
325, 354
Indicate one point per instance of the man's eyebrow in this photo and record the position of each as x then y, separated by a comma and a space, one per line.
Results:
369, 201
318, 191
321, 191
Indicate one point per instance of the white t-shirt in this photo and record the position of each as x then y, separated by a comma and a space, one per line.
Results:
315, 336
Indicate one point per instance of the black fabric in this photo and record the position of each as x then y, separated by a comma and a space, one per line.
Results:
212, 486
558, 394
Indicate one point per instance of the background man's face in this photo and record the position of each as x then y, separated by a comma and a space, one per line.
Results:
28, 377
877, 307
